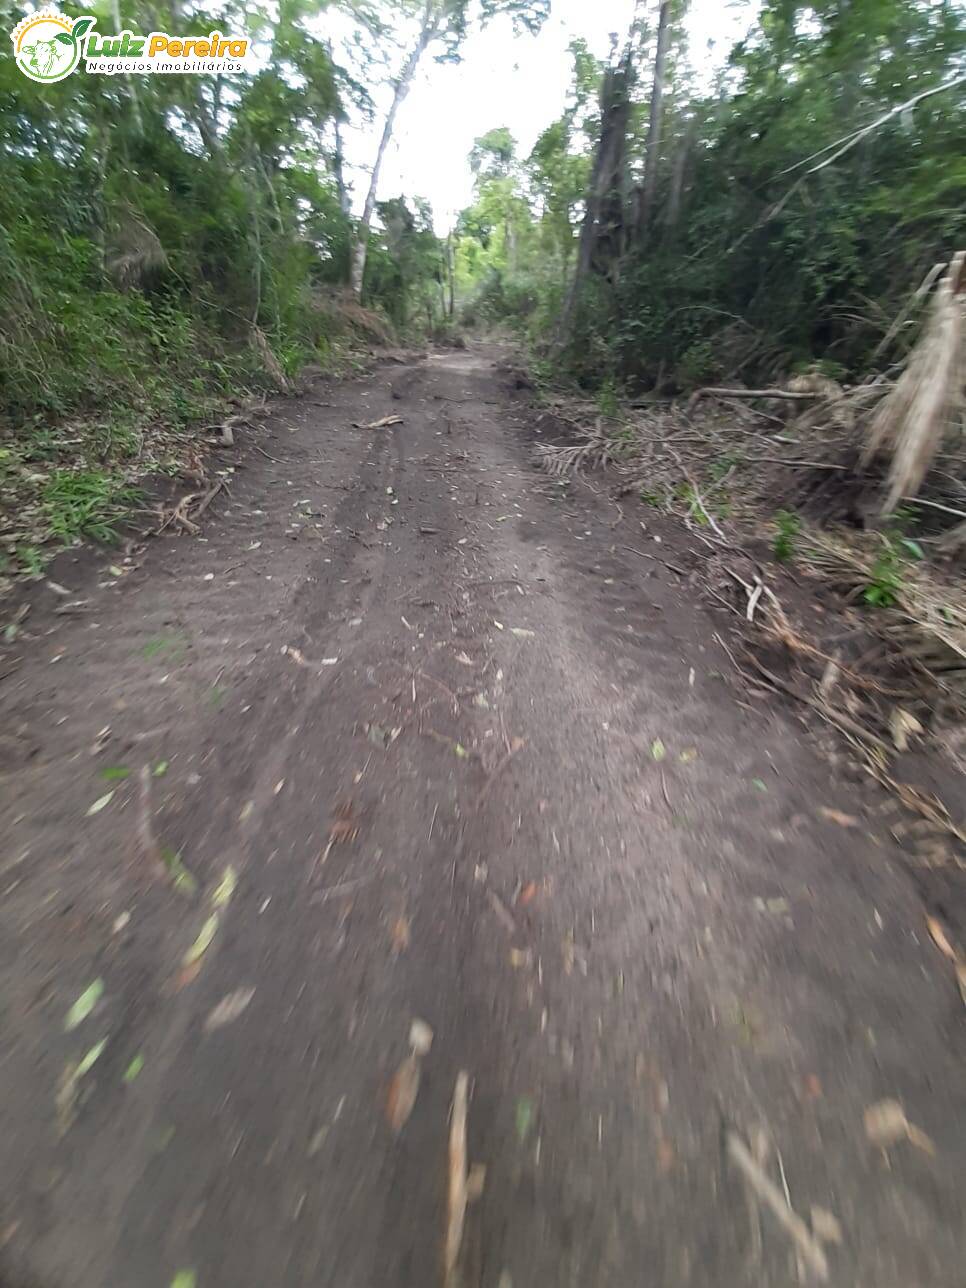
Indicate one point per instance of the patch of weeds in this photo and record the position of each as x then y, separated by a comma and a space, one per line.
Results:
624, 440
722, 466
651, 498
116, 438
887, 575
31, 559
787, 527
696, 510
84, 503
171, 646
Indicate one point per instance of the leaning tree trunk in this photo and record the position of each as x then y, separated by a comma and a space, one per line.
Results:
605, 187
428, 29
652, 152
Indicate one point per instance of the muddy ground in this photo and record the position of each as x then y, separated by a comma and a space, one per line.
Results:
425, 739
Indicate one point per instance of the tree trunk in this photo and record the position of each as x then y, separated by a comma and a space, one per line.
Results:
132, 80
653, 150
678, 173
606, 179
338, 171
428, 29
451, 271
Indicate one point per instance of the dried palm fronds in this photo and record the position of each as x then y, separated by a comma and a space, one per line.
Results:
134, 253
259, 342
598, 447
924, 622
912, 421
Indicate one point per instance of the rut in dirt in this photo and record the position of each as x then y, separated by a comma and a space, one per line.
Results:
444, 778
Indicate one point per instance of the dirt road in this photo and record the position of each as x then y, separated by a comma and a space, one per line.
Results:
427, 740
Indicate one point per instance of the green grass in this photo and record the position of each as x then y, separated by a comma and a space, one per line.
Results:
84, 503
788, 525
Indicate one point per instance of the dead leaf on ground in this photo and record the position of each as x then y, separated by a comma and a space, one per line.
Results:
825, 1226
100, 803
420, 1037
836, 816
229, 1008
400, 933
902, 726
402, 1093
812, 1086
527, 894
886, 1124
938, 933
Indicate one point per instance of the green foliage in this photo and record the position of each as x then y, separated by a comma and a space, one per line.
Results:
787, 527
608, 398
84, 503
896, 551
146, 224
885, 576
748, 267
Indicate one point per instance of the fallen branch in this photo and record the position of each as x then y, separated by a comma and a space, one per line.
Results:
384, 423
794, 395
456, 1196
768, 1193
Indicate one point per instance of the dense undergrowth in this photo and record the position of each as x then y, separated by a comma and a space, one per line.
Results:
150, 230
732, 259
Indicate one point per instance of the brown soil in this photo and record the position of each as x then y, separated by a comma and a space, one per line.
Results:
473, 761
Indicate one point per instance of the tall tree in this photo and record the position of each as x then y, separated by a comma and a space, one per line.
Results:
446, 22
652, 153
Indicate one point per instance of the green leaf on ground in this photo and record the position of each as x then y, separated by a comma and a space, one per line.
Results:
181, 878
134, 1068
90, 1059
160, 768
79, 1012
658, 749
759, 784
203, 942
115, 772
185, 1279
100, 803
524, 1118
225, 889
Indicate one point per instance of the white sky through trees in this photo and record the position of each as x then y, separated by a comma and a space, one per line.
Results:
517, 81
